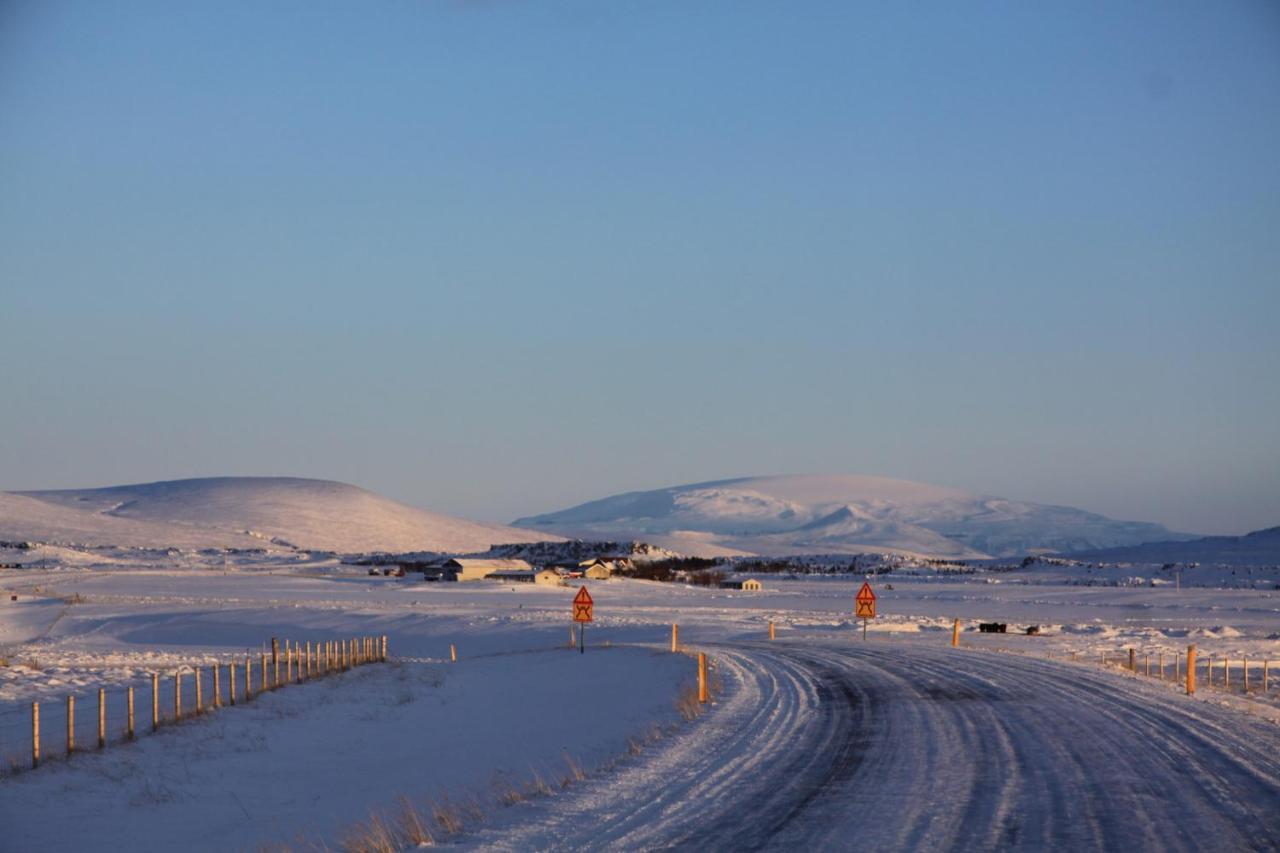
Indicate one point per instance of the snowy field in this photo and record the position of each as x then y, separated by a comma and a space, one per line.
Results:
523, 744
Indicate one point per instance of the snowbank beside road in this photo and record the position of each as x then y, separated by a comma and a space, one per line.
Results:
312, 761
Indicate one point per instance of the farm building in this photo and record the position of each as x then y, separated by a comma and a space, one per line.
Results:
602, 568
548, 577
750, 584
476, 568
511, 576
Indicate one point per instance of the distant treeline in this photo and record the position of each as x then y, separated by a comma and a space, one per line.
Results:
694, 570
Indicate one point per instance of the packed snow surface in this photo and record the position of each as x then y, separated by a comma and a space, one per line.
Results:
841, 514
242, 512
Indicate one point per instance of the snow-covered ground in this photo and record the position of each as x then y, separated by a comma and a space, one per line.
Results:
804, 726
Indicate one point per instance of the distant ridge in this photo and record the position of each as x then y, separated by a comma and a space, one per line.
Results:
242, 512
840, 514
1259, 548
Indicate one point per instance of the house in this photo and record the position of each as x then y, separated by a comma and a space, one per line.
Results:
602, 568
548, 577
752, 585
478, 568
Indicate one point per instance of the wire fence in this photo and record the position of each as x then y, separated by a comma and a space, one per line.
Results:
1240, 675
94, 719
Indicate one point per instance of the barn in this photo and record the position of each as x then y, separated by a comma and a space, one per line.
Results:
479, 568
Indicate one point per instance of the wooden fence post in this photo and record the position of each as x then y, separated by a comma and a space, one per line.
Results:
955, 633
71, 725
129, 696
288, 662
1133, 660
1191, 669
1226, 674
1146, 664
155, 701
275, 652
217, 685
35, 735
1266, 662
384, 648
275, 670
248, 678
199, 695
177, 695
675, 638
1209, 670
102, 718
1245, 666
308, 653
1162, 664
453, 653
772, 635
702, 678
231, 682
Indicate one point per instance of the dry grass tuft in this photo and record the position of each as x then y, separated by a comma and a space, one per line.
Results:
447, 816
576, 773
538, 786
412, 825
372, 837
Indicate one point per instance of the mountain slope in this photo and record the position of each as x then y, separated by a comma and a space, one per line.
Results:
1259, 548
242, 512
841, 514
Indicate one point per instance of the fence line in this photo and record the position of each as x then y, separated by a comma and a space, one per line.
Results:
30, 737
1208, 671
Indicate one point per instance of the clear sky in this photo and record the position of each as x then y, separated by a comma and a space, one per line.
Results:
495, 258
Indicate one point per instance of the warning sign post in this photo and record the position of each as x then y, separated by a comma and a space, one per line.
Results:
582, 606
864, 607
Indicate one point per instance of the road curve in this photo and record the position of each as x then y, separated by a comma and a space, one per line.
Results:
906, 747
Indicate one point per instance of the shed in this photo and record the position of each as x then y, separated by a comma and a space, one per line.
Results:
599, 572
752, 585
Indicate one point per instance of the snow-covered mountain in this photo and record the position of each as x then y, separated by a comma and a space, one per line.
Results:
840, 514
242, 512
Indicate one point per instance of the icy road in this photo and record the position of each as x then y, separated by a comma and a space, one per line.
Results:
827, 745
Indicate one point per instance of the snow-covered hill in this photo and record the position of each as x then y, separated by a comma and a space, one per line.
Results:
242, 512
1260, 548
841, 514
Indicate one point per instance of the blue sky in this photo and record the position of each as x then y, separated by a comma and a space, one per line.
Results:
495, 258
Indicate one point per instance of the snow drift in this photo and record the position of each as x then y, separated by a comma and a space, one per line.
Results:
242, 512
841, 514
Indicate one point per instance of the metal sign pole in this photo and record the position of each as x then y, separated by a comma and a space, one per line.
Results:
582, 640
